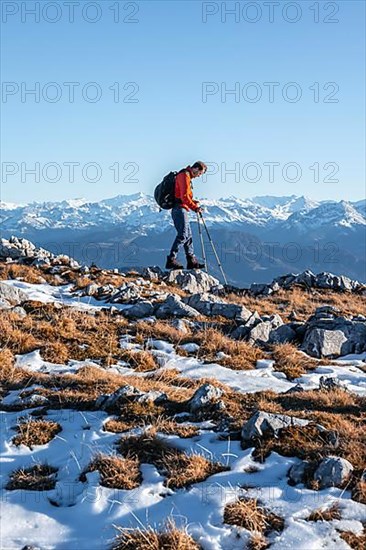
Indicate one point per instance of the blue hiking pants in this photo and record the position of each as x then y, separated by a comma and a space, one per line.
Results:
184, 232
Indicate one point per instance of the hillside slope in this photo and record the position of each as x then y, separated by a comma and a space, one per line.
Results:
162, 410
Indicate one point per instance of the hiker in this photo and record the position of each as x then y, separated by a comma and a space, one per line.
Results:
183, 203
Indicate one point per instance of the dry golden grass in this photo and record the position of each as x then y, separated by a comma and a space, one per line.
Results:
170, 538
243, 356
211, 340
116, 425
65, 333
308, 442
170, 427
177, 392
180, 469
80, 283
80, 390
36, 432
304, 302
290, 361
8, 373
26, 273
14, 335
172, 377
357, 542
258, 542
115, 472
148, 415
250, 514
40, 477
161, 330
337, 410
183, 470
140, 361
98, 277
325, 514
359, 491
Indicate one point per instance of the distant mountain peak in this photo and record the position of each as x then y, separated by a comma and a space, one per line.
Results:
140, 212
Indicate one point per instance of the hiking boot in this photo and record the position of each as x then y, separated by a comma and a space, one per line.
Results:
193, 263
171, 263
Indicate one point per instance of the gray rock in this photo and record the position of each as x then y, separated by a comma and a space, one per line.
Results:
262, 423
194, 281
25, 252
41, 262
11, 294
180, 325
139, 310
285, 281
240, 333
253, 320
106, 291
260, 333
297, 472
262, 289
306, 278
126, 293
329, 383
91, 290
275, 320
211, 305
333, 471
64, 260
4, 304
300, 329
152, 396
153, 273
335, 282
231, 311
259, 288
324, 343
19, 310
120, 396
296, 389
174, 307
281, 335
202, 302
8, 251
332, 337
325, 312
321, 280
206, 396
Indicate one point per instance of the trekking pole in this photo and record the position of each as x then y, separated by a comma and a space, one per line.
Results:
213, 248
202, 243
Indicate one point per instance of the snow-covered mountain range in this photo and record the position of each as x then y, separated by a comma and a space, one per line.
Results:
139, 211
257, 239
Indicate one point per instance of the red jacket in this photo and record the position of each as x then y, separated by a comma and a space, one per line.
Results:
183, 190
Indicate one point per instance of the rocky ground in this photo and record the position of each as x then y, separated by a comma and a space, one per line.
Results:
164, 410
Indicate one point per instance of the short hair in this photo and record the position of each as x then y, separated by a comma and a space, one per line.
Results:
200, 165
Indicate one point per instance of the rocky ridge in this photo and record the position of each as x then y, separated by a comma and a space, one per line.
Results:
326, 333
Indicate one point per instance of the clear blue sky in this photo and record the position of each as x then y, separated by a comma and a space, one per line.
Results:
169, 53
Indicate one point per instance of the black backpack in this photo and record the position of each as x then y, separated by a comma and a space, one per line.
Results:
164, 193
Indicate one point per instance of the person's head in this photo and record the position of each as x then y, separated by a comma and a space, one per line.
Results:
198, 169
